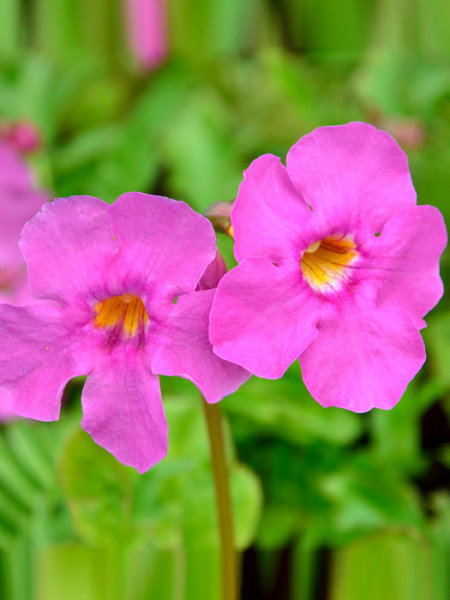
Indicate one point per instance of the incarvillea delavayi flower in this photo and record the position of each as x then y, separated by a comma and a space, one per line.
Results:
120, 293
337, 266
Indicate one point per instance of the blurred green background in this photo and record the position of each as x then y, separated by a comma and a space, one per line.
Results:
329, 505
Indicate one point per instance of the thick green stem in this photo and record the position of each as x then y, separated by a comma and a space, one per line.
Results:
223, 500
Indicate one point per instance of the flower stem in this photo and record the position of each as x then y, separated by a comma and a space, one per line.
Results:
223, 500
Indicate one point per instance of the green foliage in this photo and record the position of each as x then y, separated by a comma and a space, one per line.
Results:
91, 505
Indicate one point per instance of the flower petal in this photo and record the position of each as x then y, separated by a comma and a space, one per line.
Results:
363, 358
14, 172
67, 247
5, 406
17, 206
36, 360
269, 216
352, 174
263, 317
184, 349
123, 411
213, 274
403, 262
172, 241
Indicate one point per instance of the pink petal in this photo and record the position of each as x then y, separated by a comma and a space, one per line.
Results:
17, 206
24, 136
167, 238
14, 172
67, 247
184, 349
123, 411
269, 216
403, 262
263, 317
354, 172
213, 274
363, 358
36, 360
15, 289
147, 30
6, 412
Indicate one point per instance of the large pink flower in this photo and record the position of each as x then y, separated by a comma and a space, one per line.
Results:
115, 299
338, 266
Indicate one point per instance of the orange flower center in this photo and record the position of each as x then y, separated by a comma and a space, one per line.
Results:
126, 312
326, 263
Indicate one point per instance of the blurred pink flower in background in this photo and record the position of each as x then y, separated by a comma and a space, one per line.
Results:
147, 31
19, 201
22, 136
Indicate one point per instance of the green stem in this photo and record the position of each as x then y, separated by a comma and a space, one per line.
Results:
223, 500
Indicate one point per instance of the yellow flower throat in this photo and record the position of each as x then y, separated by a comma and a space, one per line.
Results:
126, 312
326, 264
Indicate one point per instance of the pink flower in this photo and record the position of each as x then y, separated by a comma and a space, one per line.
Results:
19, 201
147, 31
22, 136
338, 265
114, 300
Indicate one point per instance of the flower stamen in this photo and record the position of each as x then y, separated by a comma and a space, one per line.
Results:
126, 312
325, 264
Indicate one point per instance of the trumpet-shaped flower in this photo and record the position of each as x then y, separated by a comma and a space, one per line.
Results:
337, 266
116, 300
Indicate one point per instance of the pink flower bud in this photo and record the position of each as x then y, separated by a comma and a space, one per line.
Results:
23, 136
147, 31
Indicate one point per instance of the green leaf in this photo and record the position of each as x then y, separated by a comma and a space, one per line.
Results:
388, 566
247, 500
201, 153
74, 571
25, 442
286, 409
176, 499
10, 18
98, 491
155, 573
367, 498
437, 338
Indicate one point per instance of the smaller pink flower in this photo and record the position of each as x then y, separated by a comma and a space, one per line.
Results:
337, 266
147, 31
122, 294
